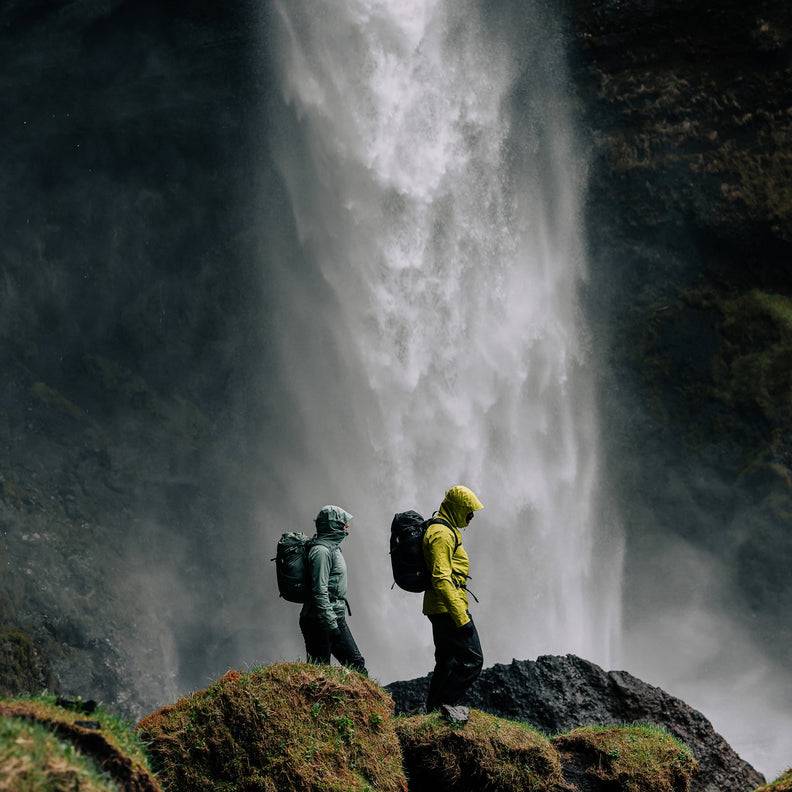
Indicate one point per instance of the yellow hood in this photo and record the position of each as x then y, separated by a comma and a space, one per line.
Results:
458, 502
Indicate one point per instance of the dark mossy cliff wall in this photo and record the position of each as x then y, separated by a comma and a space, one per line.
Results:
131, 340
688, 107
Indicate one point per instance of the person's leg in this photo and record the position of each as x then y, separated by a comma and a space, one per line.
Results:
465, 647
345, 649
442, 630
317, 641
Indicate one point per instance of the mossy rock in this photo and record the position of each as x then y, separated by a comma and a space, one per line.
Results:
34, 759
24, 666
627, 758
754, 367
46, 747
484, 753
292, 726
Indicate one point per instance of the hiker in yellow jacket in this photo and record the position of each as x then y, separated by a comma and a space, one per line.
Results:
458, 655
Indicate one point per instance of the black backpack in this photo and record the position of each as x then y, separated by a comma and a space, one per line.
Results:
291, 566
406, 550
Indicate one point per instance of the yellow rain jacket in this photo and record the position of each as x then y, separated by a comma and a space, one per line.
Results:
446, 559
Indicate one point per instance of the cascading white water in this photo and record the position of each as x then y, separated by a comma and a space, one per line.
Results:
429, 322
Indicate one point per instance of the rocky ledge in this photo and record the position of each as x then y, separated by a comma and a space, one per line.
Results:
558, 694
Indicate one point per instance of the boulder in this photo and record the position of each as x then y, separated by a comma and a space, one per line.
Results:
295, 726
558, 694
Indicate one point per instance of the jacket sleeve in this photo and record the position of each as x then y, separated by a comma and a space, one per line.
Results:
438, 552
320, 560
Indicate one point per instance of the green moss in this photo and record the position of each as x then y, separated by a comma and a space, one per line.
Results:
777, 307
754, 364
33, 759
782, 784
639, 758
41, 740
485, 753
718, 364
287, 726
23, 669
43, 708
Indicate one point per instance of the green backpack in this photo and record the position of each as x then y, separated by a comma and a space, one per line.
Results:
291, 566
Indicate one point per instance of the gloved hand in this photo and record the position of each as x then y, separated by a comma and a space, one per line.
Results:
466, 628
334, 634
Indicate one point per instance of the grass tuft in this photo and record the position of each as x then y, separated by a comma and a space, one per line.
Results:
782, 784
637, 758
485, 753
33, 759
290, 726
48, 748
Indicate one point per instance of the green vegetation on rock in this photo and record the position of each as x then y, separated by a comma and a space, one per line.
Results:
288, 726
637, 758
782, 784
753, 367
310, 728
68, 747
485, 753
33, 759
24, 668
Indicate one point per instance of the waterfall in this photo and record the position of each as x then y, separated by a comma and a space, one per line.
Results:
428, 326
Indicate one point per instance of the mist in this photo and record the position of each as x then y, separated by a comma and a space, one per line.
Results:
685, 632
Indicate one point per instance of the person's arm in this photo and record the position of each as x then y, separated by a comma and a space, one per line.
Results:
439, 547
320, 559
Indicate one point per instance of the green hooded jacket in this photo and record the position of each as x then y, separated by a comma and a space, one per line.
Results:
449, 567
327, 568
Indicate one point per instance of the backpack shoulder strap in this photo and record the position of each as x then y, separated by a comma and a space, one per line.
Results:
435, 520
456, 545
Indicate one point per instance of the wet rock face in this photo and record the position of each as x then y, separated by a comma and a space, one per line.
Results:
557, 694
124, 286
687, 112
24, 665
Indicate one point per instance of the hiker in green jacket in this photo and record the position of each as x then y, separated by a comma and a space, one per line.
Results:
458, 655
322, 619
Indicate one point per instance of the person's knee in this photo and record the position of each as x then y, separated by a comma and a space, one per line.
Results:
472, 667
472, 659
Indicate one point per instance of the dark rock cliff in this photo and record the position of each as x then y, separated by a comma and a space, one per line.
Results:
687, 107
557, 694
129, 307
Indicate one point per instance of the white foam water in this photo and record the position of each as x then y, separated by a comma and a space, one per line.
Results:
428, 153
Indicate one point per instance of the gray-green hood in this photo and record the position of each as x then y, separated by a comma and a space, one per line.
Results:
330, 523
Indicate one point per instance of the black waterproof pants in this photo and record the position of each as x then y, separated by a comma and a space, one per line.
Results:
458, 660
320, 643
